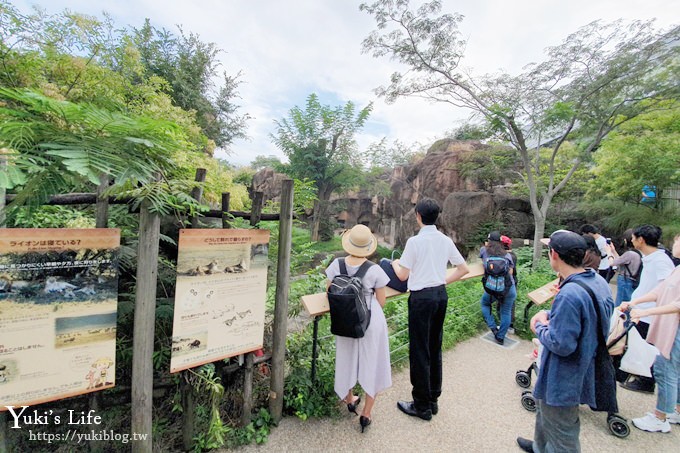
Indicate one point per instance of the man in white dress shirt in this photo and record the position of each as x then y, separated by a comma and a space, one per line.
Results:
424, 263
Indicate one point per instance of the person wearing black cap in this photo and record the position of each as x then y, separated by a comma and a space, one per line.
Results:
569, 335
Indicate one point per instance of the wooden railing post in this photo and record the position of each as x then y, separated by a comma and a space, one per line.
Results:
143, 335
185, 388
3, 415
281, 302
197, 192
256, 210
225, 210
101, 215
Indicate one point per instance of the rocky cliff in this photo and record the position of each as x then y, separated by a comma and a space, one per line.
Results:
466, 207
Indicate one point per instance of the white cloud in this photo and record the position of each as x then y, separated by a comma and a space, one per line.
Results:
287, 50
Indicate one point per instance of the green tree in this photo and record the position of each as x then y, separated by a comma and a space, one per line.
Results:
191, 66
319, 143
382, 155
599, 77
644, 151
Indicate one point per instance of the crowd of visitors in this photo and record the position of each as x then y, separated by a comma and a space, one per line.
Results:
571, 332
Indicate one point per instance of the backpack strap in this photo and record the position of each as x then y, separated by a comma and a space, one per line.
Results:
343, 267
363, 269
600, 336
635, 277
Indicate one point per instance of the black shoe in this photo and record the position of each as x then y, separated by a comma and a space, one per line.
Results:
352, 407
636, 386
364, 422
499, 340
434, 407
494, 331
408, 408
525, 444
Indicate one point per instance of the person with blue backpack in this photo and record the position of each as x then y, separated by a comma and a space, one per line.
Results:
498, 285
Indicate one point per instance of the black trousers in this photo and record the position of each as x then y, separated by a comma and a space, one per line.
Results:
426, 312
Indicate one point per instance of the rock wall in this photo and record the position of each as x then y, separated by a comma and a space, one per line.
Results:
466, 207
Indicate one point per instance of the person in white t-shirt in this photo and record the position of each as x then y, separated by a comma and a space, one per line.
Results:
656, 267
424, 263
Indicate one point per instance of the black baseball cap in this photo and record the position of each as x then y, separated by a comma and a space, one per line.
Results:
494, 236
562, 241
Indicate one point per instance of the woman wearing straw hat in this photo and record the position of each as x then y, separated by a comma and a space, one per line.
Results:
365, 360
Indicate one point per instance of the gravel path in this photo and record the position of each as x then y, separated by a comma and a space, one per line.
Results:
479, 411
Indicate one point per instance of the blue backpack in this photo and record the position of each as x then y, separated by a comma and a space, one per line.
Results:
497, 280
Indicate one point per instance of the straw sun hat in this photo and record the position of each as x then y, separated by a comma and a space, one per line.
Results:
359, 241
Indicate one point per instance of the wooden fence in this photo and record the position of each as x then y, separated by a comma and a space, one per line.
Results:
145, 306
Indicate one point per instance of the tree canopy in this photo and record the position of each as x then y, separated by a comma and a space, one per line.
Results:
597, 79
68, 73
319, 143
643, 152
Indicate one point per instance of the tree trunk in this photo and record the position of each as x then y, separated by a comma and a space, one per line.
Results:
316, 221
539, 231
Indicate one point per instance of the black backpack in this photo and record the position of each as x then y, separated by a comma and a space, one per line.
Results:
669, 253
350, 314
497, 280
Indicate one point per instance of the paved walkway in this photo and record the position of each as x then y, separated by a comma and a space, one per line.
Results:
479, 411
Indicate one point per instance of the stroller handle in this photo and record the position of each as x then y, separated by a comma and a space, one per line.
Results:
628, 325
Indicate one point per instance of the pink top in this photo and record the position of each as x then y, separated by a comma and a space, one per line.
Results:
663, 329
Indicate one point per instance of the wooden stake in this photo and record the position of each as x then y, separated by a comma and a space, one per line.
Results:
143, 335
197, 192
281, 302
256, 210
225, 210
102, 221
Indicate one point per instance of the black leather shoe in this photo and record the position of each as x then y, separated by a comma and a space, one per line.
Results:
434, 407
525, 444
408, 408
637, 386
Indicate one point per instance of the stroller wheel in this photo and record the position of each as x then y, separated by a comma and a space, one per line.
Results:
523, 379
618, 426
528, 401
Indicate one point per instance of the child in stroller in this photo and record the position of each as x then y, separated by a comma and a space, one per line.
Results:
616, 344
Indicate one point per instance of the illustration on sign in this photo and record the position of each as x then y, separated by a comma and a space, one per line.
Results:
220, 295
58, 308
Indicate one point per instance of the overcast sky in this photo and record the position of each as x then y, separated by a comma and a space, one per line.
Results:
287, 49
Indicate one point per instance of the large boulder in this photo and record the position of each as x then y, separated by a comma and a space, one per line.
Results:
269, 182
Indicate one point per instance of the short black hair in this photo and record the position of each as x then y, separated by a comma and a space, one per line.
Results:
572, 257
429, 210
589, 229
650, 233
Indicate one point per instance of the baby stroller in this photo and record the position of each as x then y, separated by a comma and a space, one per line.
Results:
616, 342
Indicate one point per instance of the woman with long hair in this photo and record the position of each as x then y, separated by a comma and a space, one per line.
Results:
494, 249
628, 265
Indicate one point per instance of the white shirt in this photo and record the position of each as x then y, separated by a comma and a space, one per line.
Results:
426, 255
656, 267
602, 245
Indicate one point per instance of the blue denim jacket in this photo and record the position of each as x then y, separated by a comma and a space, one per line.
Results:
566, 375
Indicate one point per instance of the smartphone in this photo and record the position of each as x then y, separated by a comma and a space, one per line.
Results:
609, 240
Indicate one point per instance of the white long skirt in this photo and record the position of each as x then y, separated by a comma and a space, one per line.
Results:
365, 360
